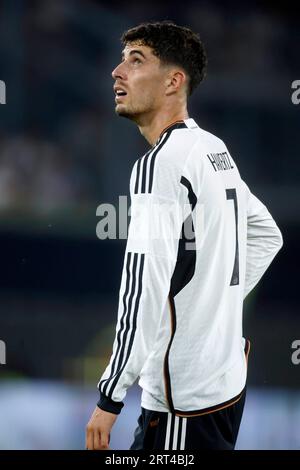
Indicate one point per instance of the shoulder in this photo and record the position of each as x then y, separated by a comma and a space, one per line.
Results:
184, 142
162, 165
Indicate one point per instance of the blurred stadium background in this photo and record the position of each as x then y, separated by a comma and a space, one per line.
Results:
63, 152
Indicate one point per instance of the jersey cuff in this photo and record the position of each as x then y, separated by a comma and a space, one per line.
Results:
107, 404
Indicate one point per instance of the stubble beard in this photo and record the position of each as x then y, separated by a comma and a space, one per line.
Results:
134, 114
124, 112
127, 113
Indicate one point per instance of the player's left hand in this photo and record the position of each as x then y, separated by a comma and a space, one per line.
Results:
98, 429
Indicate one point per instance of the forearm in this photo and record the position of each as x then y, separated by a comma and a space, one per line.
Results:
264, 240
141, 304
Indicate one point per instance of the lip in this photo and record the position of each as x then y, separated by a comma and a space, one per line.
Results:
119, 88
119, 98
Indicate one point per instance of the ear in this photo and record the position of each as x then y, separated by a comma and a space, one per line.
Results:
175, 82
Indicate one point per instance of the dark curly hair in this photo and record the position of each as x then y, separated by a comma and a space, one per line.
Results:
172, 44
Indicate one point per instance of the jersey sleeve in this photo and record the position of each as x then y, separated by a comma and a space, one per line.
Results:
149, 262
264, 240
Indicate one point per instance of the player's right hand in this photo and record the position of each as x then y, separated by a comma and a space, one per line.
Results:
98, 430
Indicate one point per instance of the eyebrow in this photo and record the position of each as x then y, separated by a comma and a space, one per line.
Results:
134, 51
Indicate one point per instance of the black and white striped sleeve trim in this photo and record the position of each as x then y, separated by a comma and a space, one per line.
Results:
107, 404
128, 322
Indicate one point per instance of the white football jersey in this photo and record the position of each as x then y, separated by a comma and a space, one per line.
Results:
198, 242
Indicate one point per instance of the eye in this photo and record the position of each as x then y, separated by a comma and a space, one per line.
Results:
137, 61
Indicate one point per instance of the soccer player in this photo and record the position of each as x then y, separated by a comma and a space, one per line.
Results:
198, 242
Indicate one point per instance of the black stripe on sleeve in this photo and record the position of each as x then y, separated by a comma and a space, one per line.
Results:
144, 174
127, 328
134, 323
109, 405
137, 179
122, 325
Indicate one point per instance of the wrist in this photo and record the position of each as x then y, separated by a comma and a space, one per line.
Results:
107, 404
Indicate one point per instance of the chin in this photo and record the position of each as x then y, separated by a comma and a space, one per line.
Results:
122, 111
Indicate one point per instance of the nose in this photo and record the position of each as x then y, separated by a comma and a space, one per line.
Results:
118, 72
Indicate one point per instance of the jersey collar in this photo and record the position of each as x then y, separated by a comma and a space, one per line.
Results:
182, 124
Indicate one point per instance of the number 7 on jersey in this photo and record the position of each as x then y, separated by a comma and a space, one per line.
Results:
235, 278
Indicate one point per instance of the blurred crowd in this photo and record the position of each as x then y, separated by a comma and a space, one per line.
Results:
43, 174
56, 57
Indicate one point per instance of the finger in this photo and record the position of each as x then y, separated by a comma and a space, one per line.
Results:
97, 440
105, 440
89, 441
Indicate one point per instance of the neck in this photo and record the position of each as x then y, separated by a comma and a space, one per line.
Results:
151, 127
